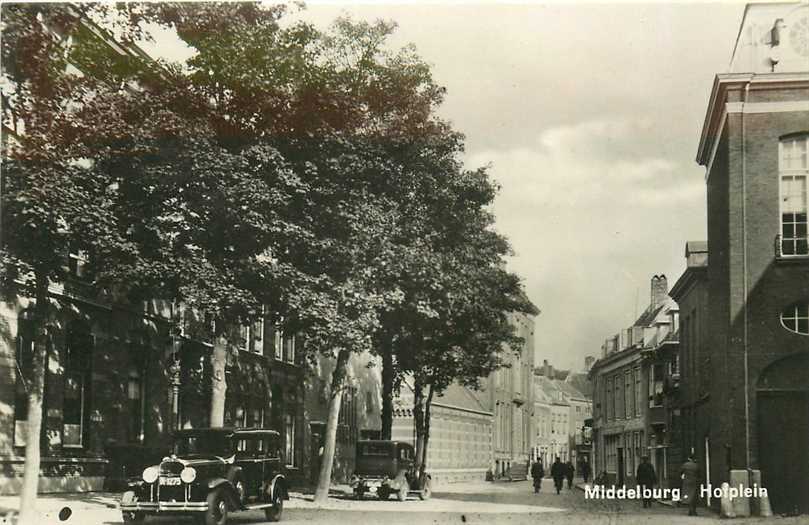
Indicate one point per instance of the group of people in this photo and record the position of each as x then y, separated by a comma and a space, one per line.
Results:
646, 478
689, 475
559, 472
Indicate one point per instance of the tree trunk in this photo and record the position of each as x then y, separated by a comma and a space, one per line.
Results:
387, 387
336, 396
36, 387
418, 420
218, 384
427, 413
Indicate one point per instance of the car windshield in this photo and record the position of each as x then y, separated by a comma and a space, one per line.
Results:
209, 444
375, 449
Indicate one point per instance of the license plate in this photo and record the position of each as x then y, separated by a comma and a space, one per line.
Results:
170, 481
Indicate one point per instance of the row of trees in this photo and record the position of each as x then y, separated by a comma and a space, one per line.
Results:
282, 168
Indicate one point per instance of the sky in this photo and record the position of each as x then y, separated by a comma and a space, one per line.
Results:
589, 117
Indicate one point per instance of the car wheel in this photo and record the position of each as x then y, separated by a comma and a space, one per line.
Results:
133, 517
274, 513
358, 493
217, 511
426, 489
402, 493
383, 492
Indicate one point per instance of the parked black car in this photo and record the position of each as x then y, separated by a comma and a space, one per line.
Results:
388, 467
211, 472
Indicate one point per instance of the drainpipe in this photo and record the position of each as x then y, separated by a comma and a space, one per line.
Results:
746, 291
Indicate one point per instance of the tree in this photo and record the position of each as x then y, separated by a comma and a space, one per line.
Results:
51, 202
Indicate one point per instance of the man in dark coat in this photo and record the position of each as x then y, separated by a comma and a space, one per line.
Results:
537, 472
570, 471
689, 473
585, 470
558, 474
646, 479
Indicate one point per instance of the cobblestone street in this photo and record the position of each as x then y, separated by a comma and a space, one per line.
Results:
502, 503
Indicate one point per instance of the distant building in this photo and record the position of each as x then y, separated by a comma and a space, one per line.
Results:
560, 410
631, 416
510, 392
755, 148
460, 446
691, 293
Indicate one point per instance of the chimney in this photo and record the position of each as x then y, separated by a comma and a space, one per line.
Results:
547, 370
588, 363
660, 291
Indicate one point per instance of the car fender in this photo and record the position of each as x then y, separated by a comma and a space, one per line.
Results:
281, 481
227, 486
233, 472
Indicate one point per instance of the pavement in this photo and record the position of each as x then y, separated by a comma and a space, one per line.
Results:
458, 503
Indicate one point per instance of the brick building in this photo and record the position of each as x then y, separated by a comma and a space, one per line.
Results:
632, 407
119, 379
754, 146
510, 392
460, 447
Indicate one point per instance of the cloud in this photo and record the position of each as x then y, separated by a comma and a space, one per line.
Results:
593, 211
590, 163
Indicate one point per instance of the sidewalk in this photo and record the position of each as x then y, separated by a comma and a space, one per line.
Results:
87, 507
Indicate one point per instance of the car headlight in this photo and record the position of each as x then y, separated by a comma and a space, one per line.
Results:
150, 474
188, 474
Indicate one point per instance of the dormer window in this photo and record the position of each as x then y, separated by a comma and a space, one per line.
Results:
796, 318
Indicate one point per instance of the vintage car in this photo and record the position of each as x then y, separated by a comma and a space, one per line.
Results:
211, 472
388, 467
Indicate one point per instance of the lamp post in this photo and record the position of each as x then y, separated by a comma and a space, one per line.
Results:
174, 379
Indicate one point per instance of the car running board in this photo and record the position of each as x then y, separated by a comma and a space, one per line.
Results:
257, 506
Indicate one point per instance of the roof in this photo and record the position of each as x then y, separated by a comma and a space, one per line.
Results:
695, 247
551, 390
580, 382
648, 316
570, 390
462, 397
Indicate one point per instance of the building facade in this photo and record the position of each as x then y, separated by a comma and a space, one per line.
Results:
755, 148
511, 395
632, 411
460, 447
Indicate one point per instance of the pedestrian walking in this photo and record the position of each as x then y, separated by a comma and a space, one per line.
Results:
647, 479
585, 470
570, 471
689, 473
558, 474
537, 472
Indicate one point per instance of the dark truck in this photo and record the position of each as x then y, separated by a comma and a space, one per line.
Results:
388, 467
211, 472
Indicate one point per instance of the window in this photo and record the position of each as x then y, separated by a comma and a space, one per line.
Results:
289, 435
796, 318
134, 395
638, 392
24, 371
244, 337
794, 169
347, 422
78, 264
656, 386
369, 402
289, 348
76, 380
257, 337
610, 400
628, 394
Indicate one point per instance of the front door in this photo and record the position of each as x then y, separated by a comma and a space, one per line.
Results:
621, 479
784, 449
